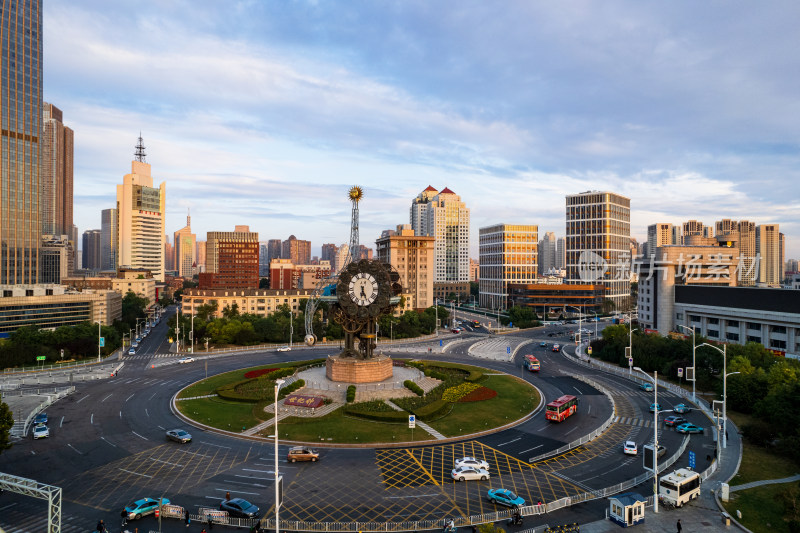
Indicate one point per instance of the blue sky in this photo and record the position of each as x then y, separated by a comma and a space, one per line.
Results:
265, 113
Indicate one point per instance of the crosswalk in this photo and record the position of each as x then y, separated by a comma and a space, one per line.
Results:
143, 357
15, 519
631, 421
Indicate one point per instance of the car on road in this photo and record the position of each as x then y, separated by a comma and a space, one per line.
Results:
143, 507
556, 347
40, 431
504, 497
239, 507
284, 349
630, 448
132, 351
675, 420
543, 344
647, 387
179, 435
455, 330
471, 461
183, 360
682, 409
41, 418
655, 407
302, 453
464, 473
689, 428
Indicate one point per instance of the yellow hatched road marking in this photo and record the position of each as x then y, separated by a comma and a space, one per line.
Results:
423, 468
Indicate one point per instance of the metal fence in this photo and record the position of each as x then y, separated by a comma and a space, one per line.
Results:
56, 395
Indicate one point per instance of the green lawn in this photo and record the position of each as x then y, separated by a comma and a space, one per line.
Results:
762, 508
209, 385
223, 414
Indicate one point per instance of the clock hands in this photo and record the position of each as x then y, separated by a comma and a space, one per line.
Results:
363, 294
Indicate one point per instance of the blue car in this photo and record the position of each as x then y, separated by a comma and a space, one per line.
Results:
41, 418
655, 407
143, 507
689, 428
543, 344
647, 387
682, 409
505, 497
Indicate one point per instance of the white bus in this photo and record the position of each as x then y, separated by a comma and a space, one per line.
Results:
679, 487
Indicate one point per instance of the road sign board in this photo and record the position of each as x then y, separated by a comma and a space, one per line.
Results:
440, 343
511, 324
691, 460
102, 341
508, 349
630, 361
680, 372
412, 421
41, 357
589, 349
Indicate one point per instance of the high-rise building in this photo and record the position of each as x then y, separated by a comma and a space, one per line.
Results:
108, 239
474, 270
782, 255
598, 243
748, 273
341, 257
507, 253
412, 256
169, 255
363, 252
446, 218
55, 200
768, 250
661, 234
56, 259
140, 215
329, 252
547, 253
20, 125
92, 250
561, 253
185, 250
274, 247
296, 250
231, 260
200, 248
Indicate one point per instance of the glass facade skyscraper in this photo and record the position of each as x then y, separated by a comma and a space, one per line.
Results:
20, 125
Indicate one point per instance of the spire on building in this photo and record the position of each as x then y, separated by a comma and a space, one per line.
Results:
140, 154
188, 217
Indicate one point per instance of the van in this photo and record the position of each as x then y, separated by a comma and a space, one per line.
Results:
301, 453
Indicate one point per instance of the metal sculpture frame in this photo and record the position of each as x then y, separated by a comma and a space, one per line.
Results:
30, 487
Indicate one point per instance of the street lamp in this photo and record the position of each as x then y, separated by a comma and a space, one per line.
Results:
654, 379
278, 383
694, 360
724, 352
192, 335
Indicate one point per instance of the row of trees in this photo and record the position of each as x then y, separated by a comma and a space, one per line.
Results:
248, 329
767, 386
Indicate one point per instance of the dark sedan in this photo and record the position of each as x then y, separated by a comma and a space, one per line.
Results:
239, 507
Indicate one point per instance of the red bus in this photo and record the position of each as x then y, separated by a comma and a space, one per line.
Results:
561, 408
531, 363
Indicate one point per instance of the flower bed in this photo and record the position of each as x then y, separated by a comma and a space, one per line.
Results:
454, 394
260, 372
480, 394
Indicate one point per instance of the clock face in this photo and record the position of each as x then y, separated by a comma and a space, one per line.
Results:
363, 289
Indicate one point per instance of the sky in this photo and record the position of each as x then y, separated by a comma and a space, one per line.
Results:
265, 113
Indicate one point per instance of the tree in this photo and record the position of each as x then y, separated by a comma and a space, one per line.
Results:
6, 423
263, 283
473, 289
608, 306
231, 311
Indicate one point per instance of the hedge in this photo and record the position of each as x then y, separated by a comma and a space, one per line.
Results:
379, 416
351, 393
413, 387
228, 392
288, 389
432, 410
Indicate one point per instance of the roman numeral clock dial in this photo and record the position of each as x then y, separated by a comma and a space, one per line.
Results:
363, 289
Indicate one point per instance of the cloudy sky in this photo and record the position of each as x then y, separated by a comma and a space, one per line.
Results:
265, 113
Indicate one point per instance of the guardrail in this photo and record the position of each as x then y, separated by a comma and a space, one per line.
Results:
58, 366
42, 406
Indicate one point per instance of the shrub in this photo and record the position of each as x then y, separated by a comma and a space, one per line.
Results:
290, 388
241, 391
453, 394
478, 395
351, 393
371, 406
413, 387
258, 373
379, 416
432, 410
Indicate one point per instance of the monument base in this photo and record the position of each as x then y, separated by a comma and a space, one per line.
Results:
351, 370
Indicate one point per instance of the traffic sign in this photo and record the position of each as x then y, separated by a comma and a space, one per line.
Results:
691, 460
589, 349
412, 421
511, 324
680, 372
508, 349
630, 361
41, 357
102, 341
440, 343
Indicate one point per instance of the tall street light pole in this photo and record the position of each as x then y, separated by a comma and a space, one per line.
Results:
580, 323
694, 360
192, 334
654, 379
278, 383
724, 352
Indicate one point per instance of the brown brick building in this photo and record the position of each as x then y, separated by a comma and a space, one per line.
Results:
231, 259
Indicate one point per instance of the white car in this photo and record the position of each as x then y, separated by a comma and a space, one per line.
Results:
185, 360
629, 448
472, 462
132, 351
40, 431
463, 473
284, 349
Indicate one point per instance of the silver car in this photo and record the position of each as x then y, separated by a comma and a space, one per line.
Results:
179, 435
463, 473
473, 462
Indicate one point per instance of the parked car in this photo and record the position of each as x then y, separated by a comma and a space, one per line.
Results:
675, 420
473, 462
504, 497
689, 428
647, 387
183, 360
682, 409
179, 435
41, 418
302, 453
132, 351
239, 507
40, 431
463, 473
284, 349
630, 448
143, 507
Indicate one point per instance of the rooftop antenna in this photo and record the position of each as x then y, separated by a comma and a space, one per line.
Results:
139, 154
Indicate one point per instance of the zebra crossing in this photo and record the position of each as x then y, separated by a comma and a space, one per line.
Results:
631, 421
142, 357
15, 519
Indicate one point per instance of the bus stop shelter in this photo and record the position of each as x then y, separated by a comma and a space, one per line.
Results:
627, 509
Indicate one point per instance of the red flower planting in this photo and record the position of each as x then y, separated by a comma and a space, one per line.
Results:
478, 395
256, 373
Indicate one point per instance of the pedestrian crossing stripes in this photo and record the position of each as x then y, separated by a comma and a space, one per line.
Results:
18, 521
149, 356
630, 421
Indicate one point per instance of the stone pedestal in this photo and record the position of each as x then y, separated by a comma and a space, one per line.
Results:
350, 370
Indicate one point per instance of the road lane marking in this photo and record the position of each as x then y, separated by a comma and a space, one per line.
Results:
7, 506
74, 448
120, 414
79, 401
254, 477
412, 496
62, 422
162, 427
112, 444
145, 412
145, 438
135, 473
217, 445
259, 485
239, 492
577, 389
107, 397
531, 449
151, 397
571, 430
166, 462
129, 397
509, 442
91, 419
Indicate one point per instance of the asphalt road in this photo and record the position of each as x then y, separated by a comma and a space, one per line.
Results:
108, 448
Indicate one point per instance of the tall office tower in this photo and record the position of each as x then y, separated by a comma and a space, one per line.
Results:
412, 256
598, 243
561, 253
274, 247
328, 252
341, 256
55, 200
782, 256
185, 250
474, 270
92, 249
660, 235
73, 239
108, 239
169, 255
296, 250
140, 214
201, 256
363, 253
56, 259
507, 253
263, 260
231, 260
20, 127
768, 250
748, 271
547, 252
419, 211
446, 218
697, 228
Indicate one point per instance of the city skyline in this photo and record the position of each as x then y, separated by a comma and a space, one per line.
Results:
265, 115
